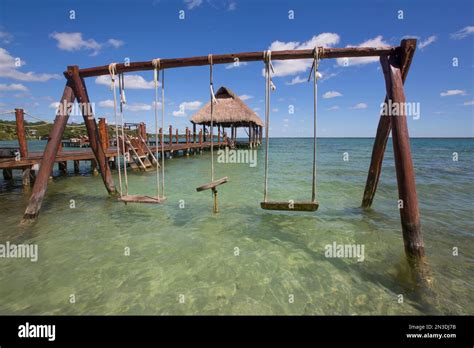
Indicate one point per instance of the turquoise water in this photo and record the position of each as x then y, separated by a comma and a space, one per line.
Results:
190, 254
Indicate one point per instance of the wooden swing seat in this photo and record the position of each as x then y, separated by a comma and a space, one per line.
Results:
142, 199
290, 206
212, 185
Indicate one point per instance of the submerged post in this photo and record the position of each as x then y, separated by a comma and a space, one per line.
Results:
49, 154
408, 200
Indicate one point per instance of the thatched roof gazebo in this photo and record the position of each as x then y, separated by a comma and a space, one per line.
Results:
230, 111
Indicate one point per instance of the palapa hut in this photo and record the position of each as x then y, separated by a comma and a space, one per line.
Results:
230, 112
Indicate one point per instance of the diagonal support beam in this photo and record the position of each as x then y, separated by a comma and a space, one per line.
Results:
407, 52
86, 108
49, 155
409, 212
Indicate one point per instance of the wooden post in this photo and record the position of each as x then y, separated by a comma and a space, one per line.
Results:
94, 167
218, 135
20, 132
407, 52
204, 133
49, 154
62, 167
161, 136
187, 135
83, 99
250, 136
7, 174
200, 137
103, 134
194, 133
171, 136
177, 136
409, 214
76, 167
26, 177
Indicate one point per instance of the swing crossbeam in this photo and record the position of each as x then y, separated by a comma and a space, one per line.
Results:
290, 205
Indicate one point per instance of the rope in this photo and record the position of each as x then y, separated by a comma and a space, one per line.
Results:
267, 56
156, 65
162, 130
122, 102
213, 101
113, 72
7, 112
315, 96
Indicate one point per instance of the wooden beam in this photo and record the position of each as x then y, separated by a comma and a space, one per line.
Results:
20, 132
83, 99
407, 52
325, 53
49, 154
103, 133
409, 213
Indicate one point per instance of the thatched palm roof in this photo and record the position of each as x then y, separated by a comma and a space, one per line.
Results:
229, 110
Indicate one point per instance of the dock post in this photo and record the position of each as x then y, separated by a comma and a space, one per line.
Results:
83, 99
171, 136
26, 177
94, 170
408, 200
20, 132
408, 47
76, 167
62, 167
177, 136
194, 133
49, 154
103, 134
250, 136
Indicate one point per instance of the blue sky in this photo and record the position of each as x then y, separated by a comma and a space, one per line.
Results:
45, 39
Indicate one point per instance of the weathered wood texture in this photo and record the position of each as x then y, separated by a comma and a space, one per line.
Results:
290, 206
406, 53
20, 131
242, 57
46, 167
409, 213
89, 120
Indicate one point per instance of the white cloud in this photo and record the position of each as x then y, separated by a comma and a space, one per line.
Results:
115, 43
375, 42
293, 67
131, 82
296, 80
12, 87
9, 69
360, 106
331, 94
232, 6
335, 107
192, 3
185, 106
74, 42
54, 105
470, 102
234, 65
245, 97
464, 32
134, 107
451, 92
427, 42
6, 37
106, 103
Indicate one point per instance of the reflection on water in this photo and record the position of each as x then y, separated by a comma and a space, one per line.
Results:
246, 260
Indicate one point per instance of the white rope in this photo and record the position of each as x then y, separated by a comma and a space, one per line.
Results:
315, 104
7, 112
162, 130
267, 57
156, 66
126, 153
213, 101
113, 72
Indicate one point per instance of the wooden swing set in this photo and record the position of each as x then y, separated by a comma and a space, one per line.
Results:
395, 63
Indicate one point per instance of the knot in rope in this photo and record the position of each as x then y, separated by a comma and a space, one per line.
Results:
267, 57
112, 72
157, 66
211, 84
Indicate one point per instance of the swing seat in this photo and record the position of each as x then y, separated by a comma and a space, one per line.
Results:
142, 199
290, 206
212, 185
